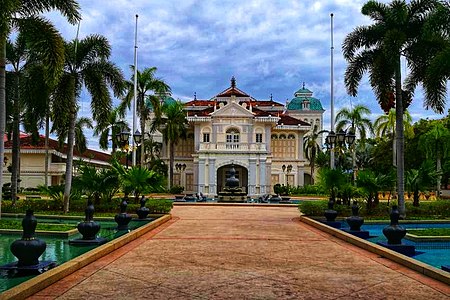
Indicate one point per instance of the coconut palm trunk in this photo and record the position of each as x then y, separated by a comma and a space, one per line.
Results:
69, 159
171, 161
47, 134
16, 141
399, 139
2, 109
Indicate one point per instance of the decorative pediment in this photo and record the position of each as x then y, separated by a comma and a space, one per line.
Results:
232, 109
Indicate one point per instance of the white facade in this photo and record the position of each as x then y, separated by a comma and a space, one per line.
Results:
259, 137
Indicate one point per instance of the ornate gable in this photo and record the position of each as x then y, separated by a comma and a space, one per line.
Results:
232, 109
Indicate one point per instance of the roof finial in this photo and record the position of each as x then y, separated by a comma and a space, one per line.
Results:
271, 98
303, 85
233, 82
195, 95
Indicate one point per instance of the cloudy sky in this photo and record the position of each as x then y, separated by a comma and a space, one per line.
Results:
271, 47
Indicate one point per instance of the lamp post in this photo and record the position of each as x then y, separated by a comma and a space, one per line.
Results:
123, 138
286, 169
342, 139
138, 137
180, 169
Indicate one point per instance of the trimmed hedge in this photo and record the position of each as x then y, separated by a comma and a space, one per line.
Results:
156, 206
427, 210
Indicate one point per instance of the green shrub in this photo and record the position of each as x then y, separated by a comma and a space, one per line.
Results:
308, 190
176, 189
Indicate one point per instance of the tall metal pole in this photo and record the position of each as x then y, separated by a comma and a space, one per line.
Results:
332, 92
135, 93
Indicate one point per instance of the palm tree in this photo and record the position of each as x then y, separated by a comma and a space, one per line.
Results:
436, 144
86, 65
112, 128
149, 88
354, 120
41, 37
420, 179
173, 124
311, 147
385, 124
377, 49
80, 137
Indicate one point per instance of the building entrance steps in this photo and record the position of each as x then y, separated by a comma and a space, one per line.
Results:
229, 252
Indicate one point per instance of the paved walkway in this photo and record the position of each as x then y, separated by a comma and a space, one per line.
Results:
242, 253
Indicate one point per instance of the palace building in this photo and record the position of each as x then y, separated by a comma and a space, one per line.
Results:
263, 139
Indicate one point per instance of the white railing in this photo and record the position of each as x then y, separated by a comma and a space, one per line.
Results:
241, 147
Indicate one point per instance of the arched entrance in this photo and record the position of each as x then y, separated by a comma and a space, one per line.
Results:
241, 174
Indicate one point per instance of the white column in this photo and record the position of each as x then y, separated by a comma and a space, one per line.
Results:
201, 175
301, 177
251, 176
212, 177
262, 177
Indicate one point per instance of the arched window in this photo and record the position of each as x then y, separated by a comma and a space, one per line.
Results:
291, 137
232, 138
274, 137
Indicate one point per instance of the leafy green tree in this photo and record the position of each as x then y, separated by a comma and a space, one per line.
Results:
41, 37
377, 49
87, 64
149, 89
173, 124
311, 147
436, 144
420, 179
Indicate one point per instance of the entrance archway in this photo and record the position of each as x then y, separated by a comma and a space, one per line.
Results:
241, 174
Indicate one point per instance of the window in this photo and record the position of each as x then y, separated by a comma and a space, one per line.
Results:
185, 148
259, 138
206, 137
284, 146
232, 139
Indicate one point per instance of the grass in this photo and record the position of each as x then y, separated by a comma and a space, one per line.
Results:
430, 232
16, 224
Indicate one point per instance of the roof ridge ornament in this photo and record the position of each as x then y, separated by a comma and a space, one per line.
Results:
195, 95
303, 85
233, 82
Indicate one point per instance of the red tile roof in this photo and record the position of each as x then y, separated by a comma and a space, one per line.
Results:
288, 120
26, 143
232, 91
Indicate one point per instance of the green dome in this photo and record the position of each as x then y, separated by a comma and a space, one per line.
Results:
303, 91
164, 100
296, 103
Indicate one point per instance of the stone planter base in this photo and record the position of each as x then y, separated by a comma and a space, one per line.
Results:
407, 250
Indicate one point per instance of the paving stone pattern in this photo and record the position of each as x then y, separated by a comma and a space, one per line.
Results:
242, 253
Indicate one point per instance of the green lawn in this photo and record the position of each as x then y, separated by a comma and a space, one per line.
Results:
17, 224
430, 232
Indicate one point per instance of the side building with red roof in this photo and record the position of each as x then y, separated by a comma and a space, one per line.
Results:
262, 139
32, 161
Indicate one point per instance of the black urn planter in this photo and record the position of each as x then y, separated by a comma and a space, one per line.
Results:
88, 229
28, 249
394, 232
142, 211
330, 215
355, 221
123, 219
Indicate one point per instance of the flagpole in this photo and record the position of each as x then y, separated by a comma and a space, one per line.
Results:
332, 92
135, 93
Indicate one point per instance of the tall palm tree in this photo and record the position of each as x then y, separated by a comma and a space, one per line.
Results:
433, 69
111, 129
377, 49
86, 65
311, 147
173, 125
436, 144
41, 36
355, 120
149, 89
385, 125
